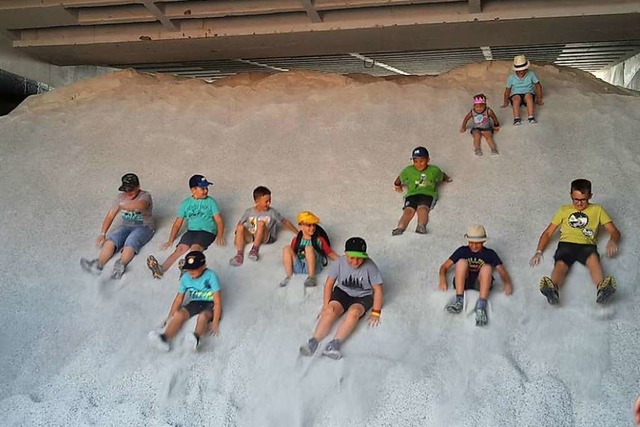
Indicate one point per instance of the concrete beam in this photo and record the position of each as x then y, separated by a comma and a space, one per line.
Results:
166, 22
475, 6
312, 13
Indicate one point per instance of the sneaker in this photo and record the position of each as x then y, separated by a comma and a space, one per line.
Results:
332, 350
494, 151
455, 307
91, 266
549, 290
158, 342
532, 120
517, 121
284, 282
155, 267
191, 342
478, 151
310, 282
421, 229
237, 260
481, 316
397, 231
118, 270
309, 348
253, 253
606, 289
181, 266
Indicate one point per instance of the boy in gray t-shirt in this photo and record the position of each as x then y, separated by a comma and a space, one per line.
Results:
358, 288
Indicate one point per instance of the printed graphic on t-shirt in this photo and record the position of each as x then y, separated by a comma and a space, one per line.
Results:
253, 222
353, 282
131, 217
196, 211
422, 182
580, 220
475, 264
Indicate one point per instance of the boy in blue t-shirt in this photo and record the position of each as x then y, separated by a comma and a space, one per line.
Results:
474, 267
199, 295
204, 224
522, 87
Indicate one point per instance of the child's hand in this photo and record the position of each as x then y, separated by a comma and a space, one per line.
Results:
374, 320
612, 248
214, 328
443, 286
100, 240
535, 260
448, 179
221, 241
398, 188
165, 245
505, 105
508, 288
463, 130
496, 129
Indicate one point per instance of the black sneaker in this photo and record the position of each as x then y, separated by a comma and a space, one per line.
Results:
532, 120
549, 290
517, 121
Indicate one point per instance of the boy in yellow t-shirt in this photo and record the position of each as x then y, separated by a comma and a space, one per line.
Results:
579, 223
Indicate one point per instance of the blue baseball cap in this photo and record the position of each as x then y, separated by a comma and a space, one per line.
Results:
199, 181
419, 152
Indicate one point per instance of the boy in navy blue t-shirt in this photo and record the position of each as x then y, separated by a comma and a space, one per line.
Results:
474, 267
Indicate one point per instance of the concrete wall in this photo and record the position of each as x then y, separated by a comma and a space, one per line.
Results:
15, 62
625, 74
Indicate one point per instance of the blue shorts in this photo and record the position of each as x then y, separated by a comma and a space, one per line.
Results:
133, 237
300, 265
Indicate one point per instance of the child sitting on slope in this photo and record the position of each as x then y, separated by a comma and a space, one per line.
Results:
485, 123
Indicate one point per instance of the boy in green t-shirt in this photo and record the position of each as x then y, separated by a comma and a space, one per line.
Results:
578, 223
421, 180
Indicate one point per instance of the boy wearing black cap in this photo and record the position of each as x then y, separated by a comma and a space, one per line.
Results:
421, 180
358, 288
134, 207
199, 295
204, 225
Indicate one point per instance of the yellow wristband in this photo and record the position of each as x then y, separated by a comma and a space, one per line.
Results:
374, 314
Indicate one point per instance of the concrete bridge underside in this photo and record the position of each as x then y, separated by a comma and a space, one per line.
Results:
188, 34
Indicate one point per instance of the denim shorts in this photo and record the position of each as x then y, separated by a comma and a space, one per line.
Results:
133, 237
300, 265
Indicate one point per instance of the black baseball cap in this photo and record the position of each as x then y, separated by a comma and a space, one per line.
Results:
356, 247
199, 181
419, 152
194, 260
130, 182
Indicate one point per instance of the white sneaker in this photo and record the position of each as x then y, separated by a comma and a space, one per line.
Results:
191, 341
90, 266
118, 270
157, 342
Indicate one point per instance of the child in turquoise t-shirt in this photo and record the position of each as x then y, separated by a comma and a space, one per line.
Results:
523, 86
421, 180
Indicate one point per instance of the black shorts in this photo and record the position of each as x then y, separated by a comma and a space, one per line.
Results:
572, 252
202, 238
471, 282
347, 300
418, 200
473, 130
521, 96
197, 307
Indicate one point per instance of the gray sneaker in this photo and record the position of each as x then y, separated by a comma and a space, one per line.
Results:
455, 307
118, 270
606, 289
332, 350
397, 231
156, 340
91, 266
309, 348
549, 290
481, 316
284, 282
310, 282
421, 229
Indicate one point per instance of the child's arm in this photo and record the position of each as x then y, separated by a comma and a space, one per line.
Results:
446, 178
542, 244
505, 100
463, 127
494, 118
106, 223
397, 185
376, 309
612, 244
289, 226
506, 279
443, 274
538, 89
328, 288
175, 306
220, 224
327, 250
217, 312
175, 228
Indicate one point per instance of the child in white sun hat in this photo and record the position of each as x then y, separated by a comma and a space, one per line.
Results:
523, 87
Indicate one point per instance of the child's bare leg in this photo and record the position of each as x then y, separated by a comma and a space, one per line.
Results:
515, 103
349, 322
423, 215
310, 257
127, 255
488, 135
407, 214
180, 250
595, 268
484, 277
528, 99
261, 234
239, 238
476, 139
328, 316
204, 318
287, 260
559, 273
108, 249
461, 273
175, 323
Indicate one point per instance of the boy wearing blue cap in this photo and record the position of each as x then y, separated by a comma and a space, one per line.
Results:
199, 295
204, 225
421, 180
358, 288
